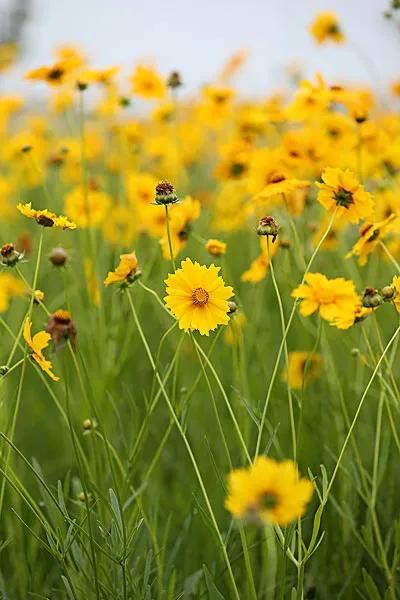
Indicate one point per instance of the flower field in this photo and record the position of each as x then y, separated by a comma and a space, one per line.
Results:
199, 317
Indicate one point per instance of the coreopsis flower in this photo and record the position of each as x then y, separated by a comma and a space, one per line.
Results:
126, 272
165, 193
62, 328
87, 208
91, 281
259, 267
215, 247
198, 297
396, 296
310, 100
234, 331
147, 83
10, 287
371, 234
54, 75
336, 300
268, 492
326, 27
298, 361
37, 344
279, 183
341, 189
395, 88
45, 218
181, 218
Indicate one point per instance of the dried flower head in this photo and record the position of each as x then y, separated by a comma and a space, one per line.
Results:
9, 255
62, 328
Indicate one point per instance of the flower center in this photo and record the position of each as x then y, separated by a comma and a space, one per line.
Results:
268, 501
343, 197
200, 296
45, 221
55, 74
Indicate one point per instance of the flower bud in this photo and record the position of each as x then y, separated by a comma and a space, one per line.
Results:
165, 193
9, 255
87, 424
38, 296
4, 370
355, 352
174, 80
58, 256
269, 227
371, 298
232, 307
389, 293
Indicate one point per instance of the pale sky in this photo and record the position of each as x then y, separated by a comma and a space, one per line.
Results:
196, 37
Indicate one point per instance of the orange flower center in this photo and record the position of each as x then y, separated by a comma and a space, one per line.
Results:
200, 296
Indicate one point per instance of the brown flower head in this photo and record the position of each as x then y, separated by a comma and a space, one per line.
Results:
61, 328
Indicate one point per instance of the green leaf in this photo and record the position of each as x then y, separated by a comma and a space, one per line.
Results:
214, 593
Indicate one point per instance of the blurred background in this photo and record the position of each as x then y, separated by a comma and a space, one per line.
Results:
197, 37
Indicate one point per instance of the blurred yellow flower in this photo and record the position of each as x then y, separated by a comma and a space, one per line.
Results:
268, 491
147, 83
45, 218
298, 360
326, 27
341, 189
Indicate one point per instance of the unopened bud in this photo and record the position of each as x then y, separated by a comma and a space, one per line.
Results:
355, 352
3, 370
58, 256
9, 255
389, 293
232, 307
87, 424
174, 80
371, 298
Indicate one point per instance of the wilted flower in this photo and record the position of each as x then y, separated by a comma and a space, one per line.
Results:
62, 328
126, 272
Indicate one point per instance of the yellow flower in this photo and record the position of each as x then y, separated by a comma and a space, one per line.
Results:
215, 247
297, 368
87, 209
126, 272
309, 100
234, 331
44, 217
325, 27
91, 281
341, 189
335, 299
198, 297
396, 286
147, 83
181, 216
371, 234
10, 287
37, 344
278, 183
259, 267
268, 491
